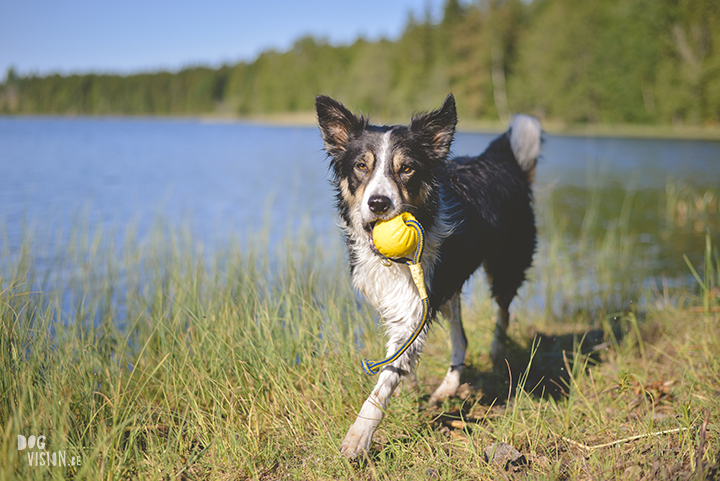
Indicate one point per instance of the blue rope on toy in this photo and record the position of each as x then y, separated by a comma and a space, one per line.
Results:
371, 367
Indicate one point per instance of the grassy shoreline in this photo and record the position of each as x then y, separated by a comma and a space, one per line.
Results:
307, 119
165, 361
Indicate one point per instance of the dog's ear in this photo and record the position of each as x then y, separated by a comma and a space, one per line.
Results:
435, 130
337, 123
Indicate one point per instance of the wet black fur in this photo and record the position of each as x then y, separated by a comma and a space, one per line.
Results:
497, 224
489, 196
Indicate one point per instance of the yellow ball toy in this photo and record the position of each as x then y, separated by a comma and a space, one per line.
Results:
394, 238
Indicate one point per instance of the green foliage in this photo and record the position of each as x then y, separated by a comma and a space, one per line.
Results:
614, 61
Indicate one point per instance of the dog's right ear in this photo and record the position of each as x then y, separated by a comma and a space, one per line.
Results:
337, 124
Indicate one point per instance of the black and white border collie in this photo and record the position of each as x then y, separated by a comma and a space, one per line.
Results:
474, 210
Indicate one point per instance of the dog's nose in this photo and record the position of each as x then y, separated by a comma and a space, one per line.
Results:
379, 204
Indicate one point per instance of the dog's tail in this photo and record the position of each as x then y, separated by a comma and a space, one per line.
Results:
525, 135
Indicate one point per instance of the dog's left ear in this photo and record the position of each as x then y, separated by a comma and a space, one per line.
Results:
337, 124
435, 130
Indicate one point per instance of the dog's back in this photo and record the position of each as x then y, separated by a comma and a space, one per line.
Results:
495, 221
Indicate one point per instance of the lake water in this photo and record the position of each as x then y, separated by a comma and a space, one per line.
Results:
229, 180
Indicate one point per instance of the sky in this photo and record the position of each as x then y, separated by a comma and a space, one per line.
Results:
80, 36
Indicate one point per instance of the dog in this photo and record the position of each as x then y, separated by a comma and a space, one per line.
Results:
474, 211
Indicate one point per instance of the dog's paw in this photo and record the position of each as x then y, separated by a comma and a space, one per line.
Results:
441, 393
447, 388
358, 439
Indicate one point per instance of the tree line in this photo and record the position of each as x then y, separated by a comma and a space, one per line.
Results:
609, 61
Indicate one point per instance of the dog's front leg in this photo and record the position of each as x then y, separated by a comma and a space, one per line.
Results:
449, 386
359, 436
401, 309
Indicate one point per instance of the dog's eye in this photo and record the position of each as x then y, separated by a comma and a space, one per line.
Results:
406, 169
361, 166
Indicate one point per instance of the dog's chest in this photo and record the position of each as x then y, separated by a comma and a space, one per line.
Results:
390, 289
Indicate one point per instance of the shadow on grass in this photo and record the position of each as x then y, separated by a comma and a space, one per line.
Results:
547, 361
543, 365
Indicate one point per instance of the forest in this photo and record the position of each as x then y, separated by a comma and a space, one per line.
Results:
574, 61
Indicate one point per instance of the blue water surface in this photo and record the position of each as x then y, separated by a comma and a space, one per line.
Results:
231, 179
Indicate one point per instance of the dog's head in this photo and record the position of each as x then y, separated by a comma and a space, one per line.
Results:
382, 171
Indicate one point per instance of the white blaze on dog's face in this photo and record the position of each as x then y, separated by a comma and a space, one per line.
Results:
381, 195
381, 172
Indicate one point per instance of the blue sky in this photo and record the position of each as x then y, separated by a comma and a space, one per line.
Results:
77, 36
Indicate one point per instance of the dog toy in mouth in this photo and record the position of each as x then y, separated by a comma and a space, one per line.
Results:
395, 237
402, 237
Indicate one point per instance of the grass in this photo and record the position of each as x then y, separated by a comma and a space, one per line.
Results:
162, 360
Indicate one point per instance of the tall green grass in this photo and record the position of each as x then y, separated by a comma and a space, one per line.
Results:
163, 352
165, 359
